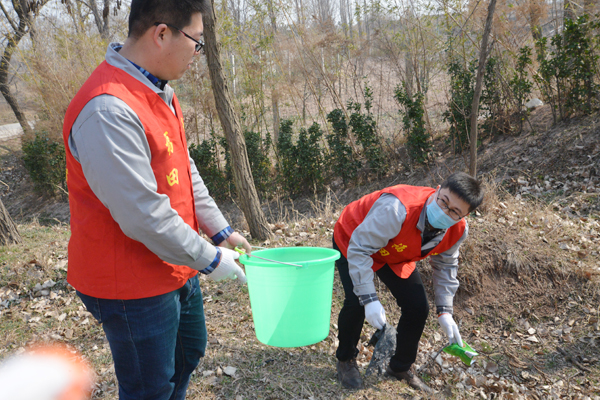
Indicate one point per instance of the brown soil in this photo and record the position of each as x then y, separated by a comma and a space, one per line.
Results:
529, 299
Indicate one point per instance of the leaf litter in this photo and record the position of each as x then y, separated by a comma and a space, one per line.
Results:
528, 302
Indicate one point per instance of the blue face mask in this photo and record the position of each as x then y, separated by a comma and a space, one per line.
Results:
437, 217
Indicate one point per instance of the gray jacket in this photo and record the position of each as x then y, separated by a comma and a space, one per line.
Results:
383, 223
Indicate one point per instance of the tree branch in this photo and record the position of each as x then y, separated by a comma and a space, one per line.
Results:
10, 21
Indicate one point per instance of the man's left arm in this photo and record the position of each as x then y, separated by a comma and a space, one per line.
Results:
211, 220
445, 281
445, 284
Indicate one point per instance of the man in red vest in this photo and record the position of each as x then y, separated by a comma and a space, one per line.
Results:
138, 203
385, 233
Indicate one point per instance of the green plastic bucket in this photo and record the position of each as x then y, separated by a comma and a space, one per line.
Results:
291, 306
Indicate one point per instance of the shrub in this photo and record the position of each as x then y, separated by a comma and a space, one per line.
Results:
286, 150
462, 89
495, 97
568, 69
545, 76
341, 158
418, 140
260, 164
520, 85
45, 160
364, 128
310, 158
206, 158
300, 165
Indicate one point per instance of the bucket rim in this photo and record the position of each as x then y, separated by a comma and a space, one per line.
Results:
250, 261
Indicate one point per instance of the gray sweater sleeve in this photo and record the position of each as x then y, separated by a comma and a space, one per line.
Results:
445, 269
382, 223
109, 142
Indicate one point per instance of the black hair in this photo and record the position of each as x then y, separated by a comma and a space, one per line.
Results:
144, 13
467, 188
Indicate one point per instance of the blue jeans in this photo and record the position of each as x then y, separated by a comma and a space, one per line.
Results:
156, 342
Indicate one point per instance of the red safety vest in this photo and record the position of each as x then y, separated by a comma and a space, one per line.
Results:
103, 262
402, 251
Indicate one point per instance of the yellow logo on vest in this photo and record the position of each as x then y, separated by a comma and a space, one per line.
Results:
384, 252
169, 144
182, 124
434, 254
173, 177
399, 247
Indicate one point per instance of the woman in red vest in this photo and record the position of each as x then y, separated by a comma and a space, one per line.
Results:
385, 233
138, 203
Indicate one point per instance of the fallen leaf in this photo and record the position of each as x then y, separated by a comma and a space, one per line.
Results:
212, 380
491, 367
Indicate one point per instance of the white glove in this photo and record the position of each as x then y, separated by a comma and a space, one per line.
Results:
375, 314
449, 326
228, 268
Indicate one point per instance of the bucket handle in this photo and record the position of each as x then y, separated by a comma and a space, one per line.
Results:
243, 251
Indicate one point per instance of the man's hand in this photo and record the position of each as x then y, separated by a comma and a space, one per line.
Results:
228, 268
236, 240
375, 314
449, 326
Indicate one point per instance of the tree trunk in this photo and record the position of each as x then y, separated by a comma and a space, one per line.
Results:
101, 18
242, 174
409, 73
350, 18
8, 230
274, 92
276, 119
343, 19
483, 53
535, 17
13, 40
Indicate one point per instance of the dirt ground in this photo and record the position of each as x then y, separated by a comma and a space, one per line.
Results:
528, 302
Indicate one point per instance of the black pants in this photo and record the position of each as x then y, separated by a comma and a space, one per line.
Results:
411, 298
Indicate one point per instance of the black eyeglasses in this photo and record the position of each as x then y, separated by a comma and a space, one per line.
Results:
199, 43
451, 213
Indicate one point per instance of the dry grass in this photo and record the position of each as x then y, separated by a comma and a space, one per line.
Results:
529, 263
265, 372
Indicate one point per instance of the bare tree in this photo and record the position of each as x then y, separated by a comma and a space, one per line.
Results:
274, 91
300, 18
80, 10
344, 17
101, 18
8, 230
483, 54
534, 16
20, 23
242, 174
323, 11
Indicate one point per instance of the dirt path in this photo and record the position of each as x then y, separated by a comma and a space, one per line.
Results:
11, 131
